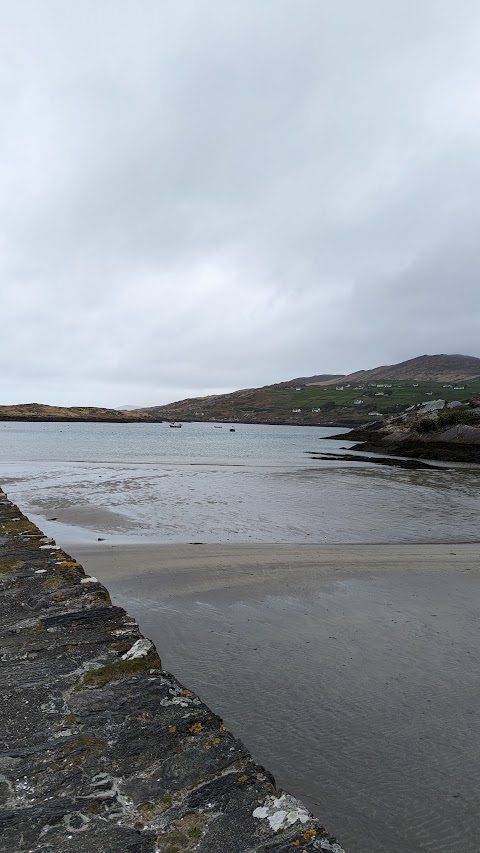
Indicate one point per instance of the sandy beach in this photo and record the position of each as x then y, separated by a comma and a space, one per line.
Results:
350, 671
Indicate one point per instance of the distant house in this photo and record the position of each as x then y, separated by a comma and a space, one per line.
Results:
429, 393
298, 388
446, 386
378, 414
357, 402
296, 411
339, 388
379, 394
458, 387
316, 411
415, 384
388, 385
381, 385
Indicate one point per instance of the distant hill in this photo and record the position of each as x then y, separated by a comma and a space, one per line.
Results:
316, 400
321, 399
42, 412
316, 380
129, 408
440, 368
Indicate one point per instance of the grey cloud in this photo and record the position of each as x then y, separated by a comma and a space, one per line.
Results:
207, 196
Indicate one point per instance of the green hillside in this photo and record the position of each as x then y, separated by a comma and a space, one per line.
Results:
276, 403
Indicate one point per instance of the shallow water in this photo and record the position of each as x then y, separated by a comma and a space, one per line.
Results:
352, 676
147, 482
362, 697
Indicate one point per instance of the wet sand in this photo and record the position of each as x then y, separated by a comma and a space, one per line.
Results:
352, 672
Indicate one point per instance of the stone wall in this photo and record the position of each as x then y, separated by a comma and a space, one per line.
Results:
102, 750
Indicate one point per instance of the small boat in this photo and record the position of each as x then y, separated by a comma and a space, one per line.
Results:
176, 426
232, 429
218, 427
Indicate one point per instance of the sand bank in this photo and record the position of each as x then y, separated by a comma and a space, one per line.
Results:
350, 671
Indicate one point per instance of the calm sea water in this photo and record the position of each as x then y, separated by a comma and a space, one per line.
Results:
360, 695
147, 482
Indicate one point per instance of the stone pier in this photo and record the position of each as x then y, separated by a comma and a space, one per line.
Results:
102, 751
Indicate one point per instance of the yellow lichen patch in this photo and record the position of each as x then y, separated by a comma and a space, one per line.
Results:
186, 692
216, 740
196, 728
121, 647
64, 579
296, 843
54, 582
22, 525
84, 748
150, 810
309, 834
172, 729
58, 597
208, 746
102, 598
243, 778
186, 834
116, 671
10, 565
67, 564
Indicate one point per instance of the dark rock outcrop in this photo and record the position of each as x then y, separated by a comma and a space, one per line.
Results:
433, 430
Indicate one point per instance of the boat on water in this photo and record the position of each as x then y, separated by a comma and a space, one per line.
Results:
176, 426
232, 429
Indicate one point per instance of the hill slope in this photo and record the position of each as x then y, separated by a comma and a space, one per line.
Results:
319, 399
440, 368
321, 403
42, 412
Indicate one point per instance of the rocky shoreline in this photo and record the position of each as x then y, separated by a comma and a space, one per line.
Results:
101, 748
433, 430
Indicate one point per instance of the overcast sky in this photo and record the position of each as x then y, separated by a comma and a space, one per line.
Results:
203, 195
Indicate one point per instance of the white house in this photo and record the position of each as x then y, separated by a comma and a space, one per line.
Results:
339, 388
357, 402
296, 411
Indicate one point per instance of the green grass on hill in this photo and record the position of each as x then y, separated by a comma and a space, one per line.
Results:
278, 403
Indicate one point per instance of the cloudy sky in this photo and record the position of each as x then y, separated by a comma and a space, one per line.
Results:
204, 195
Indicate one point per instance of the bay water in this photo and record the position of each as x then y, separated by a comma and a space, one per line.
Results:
133, 483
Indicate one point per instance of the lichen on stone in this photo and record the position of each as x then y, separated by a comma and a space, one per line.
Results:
281, 812
10, 565
116, 671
